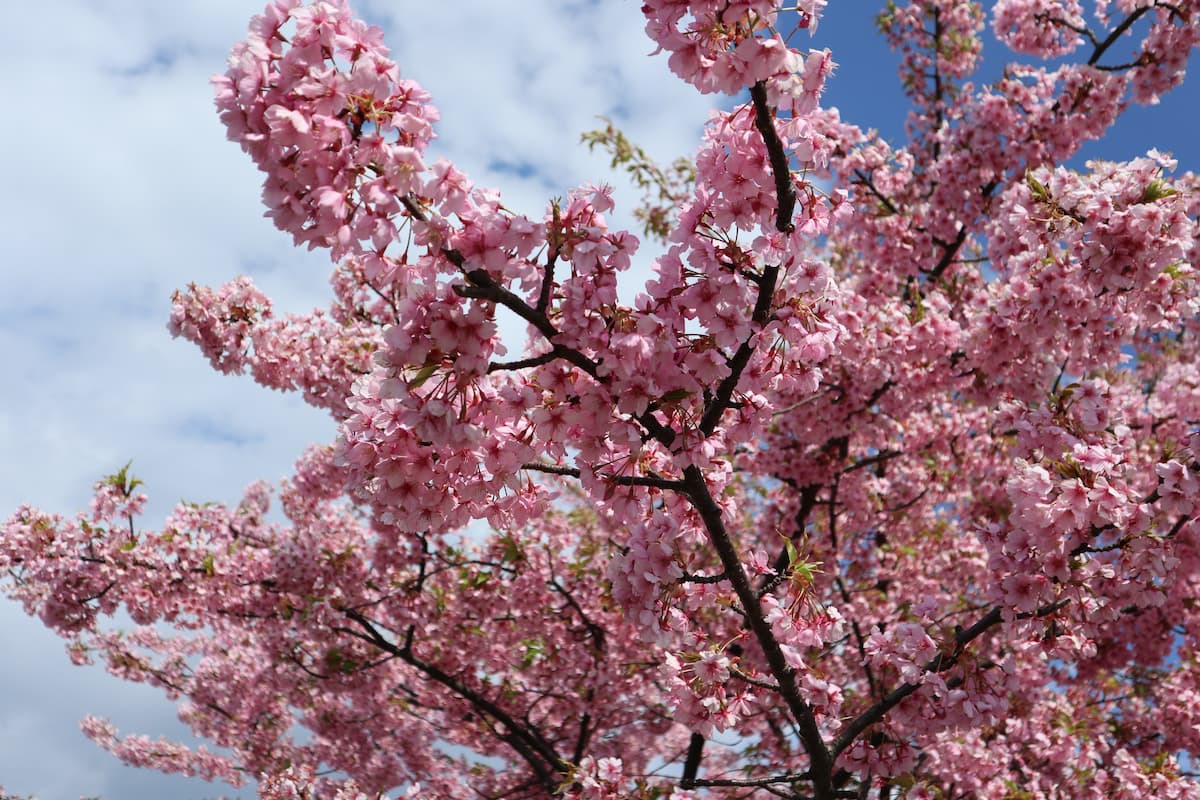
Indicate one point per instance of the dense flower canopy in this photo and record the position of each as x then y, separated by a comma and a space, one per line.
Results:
884, 485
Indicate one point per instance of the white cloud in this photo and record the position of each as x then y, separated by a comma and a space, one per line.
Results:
121, 188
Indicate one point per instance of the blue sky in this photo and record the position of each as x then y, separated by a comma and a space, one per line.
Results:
864, 88
128, 190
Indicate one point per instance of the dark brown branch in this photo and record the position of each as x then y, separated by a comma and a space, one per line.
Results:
750, 679
1116, 33
696, 486
710, 514
949, 251
552, 469
786, 201
597, 633
484, 287
753, 782
544, 293
785, 192
863, 179
939, 663
938, 89
908, 503
1140, 61
99, 594
655, 481
878, 458
524, 363
861, 642
690, 578
720, 400
585, 734
1082, 30
525, 740
691, 765
876, 395
832, 505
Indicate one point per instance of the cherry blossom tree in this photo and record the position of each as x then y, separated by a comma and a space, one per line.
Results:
884, 485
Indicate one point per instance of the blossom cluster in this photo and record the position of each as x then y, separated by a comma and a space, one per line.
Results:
315, 101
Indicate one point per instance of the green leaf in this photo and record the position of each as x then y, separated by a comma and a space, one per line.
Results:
511, 552
122, 481
1035, 186
885, 19
425, 374
1157, 190
1177, 270
792, 553
534, 648
805, 572
337, 661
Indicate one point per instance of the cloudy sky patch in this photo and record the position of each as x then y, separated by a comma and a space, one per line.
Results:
123, 188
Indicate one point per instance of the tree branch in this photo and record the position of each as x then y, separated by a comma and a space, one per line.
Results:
656, 481
786, 201
524, 363
785, 192
484, 287
939, 663
691, 765
1116, 33
821, 768
525, 740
